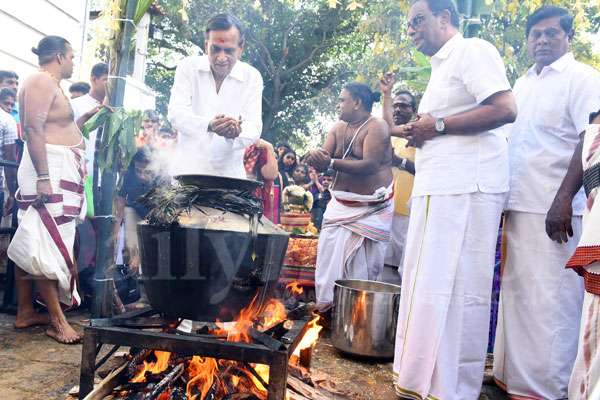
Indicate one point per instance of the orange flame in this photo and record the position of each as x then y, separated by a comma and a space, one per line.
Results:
202, 372
311, 336
294, 288
161, 364
274, 312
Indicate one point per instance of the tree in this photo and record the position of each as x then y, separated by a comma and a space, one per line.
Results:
301, 48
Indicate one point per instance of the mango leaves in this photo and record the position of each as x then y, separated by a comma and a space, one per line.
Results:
95, 122
117, 147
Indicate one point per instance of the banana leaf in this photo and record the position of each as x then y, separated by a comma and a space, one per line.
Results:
95, 122
141, 9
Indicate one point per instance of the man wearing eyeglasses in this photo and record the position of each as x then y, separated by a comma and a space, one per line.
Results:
216, 104
541, 301
458, 194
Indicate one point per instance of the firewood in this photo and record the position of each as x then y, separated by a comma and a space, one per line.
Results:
106, 385
178, 394
132, 368
306, 390
164, 383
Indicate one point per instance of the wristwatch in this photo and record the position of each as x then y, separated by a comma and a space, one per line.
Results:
403, 163
331, 163
440, 126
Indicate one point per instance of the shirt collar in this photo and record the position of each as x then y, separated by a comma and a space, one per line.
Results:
202, 64
445, 51
559, 65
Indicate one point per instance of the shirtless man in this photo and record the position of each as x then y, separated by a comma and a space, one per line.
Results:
357, 221
50, 193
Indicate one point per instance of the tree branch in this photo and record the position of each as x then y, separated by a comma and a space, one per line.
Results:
308, 59
163, 66
271, 65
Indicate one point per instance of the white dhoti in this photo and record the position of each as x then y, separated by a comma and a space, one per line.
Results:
585, 379
43, 243
353, 240
394, 254
540, 310
444, 311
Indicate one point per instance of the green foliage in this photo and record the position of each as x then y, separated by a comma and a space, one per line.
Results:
118, 138
301, 48
305, 49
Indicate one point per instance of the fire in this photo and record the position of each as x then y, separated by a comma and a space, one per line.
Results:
202, 371
274, 312
311, 336
208, 378
160, 365
294, 288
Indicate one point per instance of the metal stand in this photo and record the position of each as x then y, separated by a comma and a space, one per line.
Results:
271, 351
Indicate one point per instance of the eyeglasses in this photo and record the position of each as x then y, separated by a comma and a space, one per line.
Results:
550, 33
416, 22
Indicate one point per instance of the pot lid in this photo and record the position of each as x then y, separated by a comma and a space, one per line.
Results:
218, 182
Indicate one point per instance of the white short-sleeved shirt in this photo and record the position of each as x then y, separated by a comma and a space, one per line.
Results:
8, 135
464, 73
554, 108
81, 105
195, 102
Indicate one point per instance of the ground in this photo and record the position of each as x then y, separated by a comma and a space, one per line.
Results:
33, 366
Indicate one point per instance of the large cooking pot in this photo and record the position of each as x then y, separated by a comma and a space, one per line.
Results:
364, 317
209, 266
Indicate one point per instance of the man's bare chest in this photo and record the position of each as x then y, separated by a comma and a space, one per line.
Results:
349, 143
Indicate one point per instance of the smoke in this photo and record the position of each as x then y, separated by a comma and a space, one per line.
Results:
160, 157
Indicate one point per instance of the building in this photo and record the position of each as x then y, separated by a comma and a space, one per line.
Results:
24, 23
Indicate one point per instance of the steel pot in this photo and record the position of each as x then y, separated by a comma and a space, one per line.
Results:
364, 318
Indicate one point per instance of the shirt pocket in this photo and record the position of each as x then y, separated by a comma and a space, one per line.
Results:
550, 111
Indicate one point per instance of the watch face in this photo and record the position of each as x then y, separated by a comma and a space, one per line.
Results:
439, 125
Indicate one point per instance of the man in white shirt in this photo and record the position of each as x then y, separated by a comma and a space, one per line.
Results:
540, 301
458, 194
8, 148
84, 107
216, 104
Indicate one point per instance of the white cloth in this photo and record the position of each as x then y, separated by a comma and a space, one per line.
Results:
540, 308
33, 248
8, 135
554, 108
195, 102
80, 106
394, 254
585, 379
464, 73
444, 312
352, 241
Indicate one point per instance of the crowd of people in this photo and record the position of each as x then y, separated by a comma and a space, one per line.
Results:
421, 189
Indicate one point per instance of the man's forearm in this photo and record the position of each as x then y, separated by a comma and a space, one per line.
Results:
388, 110
574, 178
499, 109
408, 166
477, 120
356, 167
36, 144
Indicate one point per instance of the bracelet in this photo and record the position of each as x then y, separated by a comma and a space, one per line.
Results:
42, 177
331, 163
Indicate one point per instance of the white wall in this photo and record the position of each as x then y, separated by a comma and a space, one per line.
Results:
24, 22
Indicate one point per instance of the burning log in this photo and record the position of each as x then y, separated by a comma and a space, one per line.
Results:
136, 361
177, 394
165, 382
